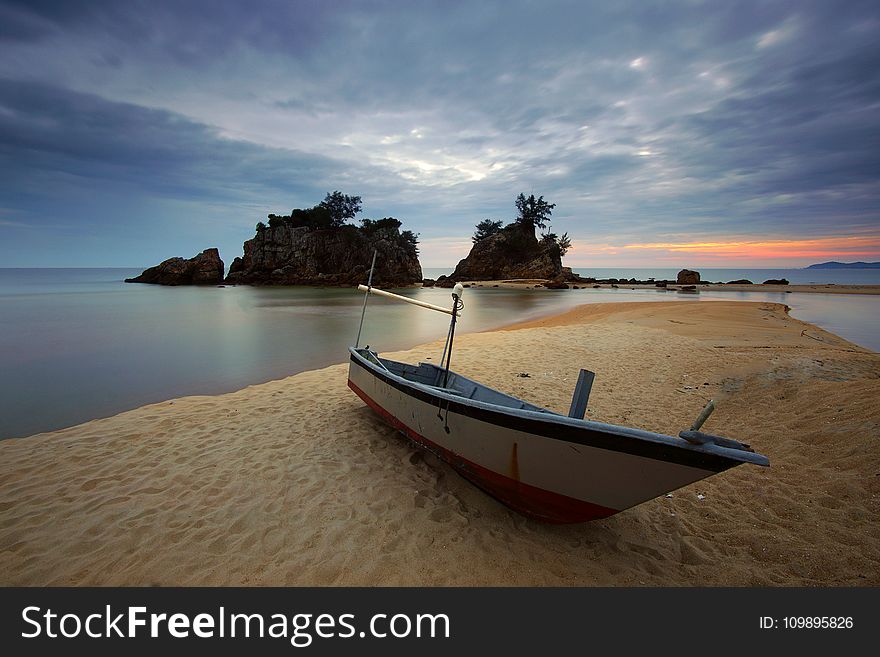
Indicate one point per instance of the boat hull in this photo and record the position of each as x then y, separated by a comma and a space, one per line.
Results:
547, 468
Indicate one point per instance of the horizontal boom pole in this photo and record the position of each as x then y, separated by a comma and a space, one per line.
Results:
415, 302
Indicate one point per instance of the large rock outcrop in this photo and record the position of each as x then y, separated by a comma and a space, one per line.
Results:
288, 255
513, 252
204, 269
688, 277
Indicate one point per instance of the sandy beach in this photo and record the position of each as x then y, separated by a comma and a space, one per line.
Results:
296, 482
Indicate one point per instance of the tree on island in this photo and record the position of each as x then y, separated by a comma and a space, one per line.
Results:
563, 242
391, 225
411, 239
332, 214
341, 207
533, 212
370, 226
486, 228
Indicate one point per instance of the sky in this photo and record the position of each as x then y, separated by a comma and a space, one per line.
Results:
668, 134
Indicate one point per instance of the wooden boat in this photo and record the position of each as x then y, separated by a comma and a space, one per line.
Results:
548, 466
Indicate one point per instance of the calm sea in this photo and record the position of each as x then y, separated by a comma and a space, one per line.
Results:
795, 276
77, 344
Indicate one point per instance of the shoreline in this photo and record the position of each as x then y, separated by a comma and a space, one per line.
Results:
291, 482
812, 288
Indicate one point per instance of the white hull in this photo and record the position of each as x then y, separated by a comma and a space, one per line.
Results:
547, 466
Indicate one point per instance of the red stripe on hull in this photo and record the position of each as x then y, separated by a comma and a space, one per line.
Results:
530, 501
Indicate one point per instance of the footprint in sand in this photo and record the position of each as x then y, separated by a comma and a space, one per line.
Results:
691, 555
217, 546
272, 541
420, 500
441, 514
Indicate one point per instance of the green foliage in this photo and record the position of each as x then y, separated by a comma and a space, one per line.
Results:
533, 212
486, 228
411, 239
370, 226
298, 218
261, 226
390, 227
331, 214
341, 207
316, 217
563, 242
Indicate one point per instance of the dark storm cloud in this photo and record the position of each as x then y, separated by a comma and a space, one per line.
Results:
56, 130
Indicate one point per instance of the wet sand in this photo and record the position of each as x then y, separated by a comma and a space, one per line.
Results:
296, 482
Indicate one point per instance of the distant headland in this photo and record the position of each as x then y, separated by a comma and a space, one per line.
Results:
845, 265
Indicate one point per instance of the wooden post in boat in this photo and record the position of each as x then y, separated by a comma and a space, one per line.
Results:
581, 394
457, 304
704, 415
357, 342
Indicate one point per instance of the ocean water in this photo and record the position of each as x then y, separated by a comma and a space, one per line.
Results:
78, 344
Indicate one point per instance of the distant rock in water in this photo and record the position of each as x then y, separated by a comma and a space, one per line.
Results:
204, 269
300, 255
512, 252
556, 284
741, 281
776, 281
688, 277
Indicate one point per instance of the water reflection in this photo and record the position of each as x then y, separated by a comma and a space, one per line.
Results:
74, 350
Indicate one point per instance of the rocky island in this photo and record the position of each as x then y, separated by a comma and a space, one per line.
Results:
514, 251
203, 269
316, 246
313, 246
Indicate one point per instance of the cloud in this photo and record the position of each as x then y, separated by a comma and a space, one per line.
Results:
84, 135
635, 118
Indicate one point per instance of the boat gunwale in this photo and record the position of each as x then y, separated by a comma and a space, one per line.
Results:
730, 456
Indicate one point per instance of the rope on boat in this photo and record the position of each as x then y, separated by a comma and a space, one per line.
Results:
457, 305
357, 342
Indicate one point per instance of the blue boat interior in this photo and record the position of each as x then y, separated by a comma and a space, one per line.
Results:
433, 376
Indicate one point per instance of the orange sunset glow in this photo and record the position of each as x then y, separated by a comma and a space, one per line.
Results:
735, 252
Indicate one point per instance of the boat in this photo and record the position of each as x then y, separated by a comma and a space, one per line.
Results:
540, 463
